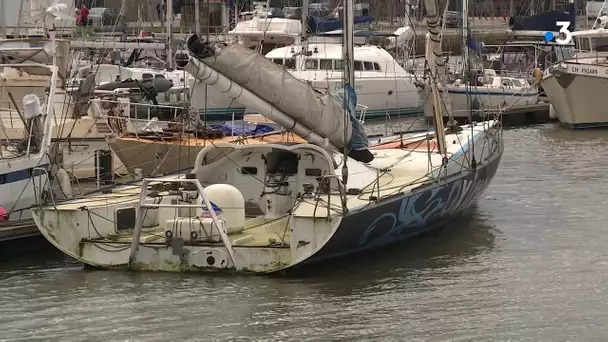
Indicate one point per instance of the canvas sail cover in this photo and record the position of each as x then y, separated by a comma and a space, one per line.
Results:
322, 113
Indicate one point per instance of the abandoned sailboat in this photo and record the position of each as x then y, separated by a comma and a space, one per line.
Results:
266, 208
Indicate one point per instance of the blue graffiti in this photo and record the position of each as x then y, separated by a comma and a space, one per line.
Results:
409, 214
415, 211
371, 233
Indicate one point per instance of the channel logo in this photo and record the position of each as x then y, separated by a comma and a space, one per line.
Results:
564, 36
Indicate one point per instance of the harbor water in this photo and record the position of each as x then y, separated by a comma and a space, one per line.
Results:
527, 262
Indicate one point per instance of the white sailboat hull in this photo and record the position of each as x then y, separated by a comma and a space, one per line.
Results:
486, 99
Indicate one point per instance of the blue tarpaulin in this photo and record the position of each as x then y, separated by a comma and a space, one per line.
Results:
358, 140
241, 127
472, 44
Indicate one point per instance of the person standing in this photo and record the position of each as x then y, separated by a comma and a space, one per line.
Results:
84, 16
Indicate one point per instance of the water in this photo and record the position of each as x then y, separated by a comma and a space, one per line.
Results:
528, 262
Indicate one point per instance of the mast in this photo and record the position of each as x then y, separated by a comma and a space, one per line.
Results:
169, 34
197, 17
3, 13
437, 65
466, 59
348, 74
348, 44
304, 36
465, 32
467, 69
140, 22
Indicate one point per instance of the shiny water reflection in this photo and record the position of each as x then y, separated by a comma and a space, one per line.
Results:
527, 262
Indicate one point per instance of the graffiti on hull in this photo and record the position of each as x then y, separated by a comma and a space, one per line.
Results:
418, 211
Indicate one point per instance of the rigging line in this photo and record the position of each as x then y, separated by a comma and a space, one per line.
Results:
450, 117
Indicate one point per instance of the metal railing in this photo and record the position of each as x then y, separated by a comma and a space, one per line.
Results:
141, 210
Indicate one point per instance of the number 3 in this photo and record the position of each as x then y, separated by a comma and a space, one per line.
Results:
564, 29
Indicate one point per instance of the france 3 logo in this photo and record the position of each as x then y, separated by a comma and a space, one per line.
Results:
564, 36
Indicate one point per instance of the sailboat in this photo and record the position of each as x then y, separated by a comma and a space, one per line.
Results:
25, 172
263, 208
484, 91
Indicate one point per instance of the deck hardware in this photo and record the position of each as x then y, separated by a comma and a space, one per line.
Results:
177, 246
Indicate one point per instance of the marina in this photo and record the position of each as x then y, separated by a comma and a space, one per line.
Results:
304, 156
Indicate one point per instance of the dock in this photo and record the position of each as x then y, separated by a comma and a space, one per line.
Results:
531, 114
13, 230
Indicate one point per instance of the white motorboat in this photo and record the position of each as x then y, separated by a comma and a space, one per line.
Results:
575, 84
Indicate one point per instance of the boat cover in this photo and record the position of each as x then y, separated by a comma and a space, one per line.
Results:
322, 113
545, 21
241, 127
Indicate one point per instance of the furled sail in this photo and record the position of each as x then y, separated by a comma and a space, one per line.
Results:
259, 83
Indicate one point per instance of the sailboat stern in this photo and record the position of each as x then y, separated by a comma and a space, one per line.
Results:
103, 237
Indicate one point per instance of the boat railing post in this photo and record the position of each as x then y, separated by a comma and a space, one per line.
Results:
232, 131
139, 215
216, 220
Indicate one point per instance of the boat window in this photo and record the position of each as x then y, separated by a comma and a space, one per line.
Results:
38, 172
311, 64
517, 83
278, 61
600, 44
358, 65
368, 65
507, 82
145, 76
159, 76
249, 170
338, 64
325, 64
313, 172
377, 66
290, 63
125, 219
281, 162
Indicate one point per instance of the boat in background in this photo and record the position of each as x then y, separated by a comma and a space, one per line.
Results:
384, 87
575, 86
27, 152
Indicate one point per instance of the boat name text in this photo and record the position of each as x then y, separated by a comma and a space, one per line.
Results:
586, 70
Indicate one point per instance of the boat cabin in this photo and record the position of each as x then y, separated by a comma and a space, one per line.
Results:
270, 178
328, 58
523, 56
489, 78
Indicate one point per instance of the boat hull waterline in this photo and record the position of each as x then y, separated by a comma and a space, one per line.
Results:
577, 99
